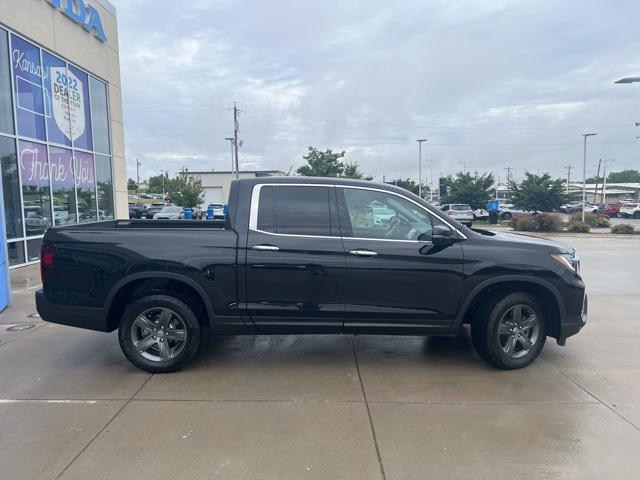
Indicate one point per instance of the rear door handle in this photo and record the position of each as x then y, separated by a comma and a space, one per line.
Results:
363, 253
266, 248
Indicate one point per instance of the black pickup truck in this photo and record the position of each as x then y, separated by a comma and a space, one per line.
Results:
300, 255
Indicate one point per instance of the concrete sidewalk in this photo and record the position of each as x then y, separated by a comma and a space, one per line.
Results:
330, 407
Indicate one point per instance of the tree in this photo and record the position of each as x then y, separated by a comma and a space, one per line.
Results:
352, 170
474, 190
538, 193
185, 190
410, 185
157, 182
322, 164
131, 184
625, 176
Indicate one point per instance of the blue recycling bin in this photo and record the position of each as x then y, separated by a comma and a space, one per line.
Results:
210, 212
188, 214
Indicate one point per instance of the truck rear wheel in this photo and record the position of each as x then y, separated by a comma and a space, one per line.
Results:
510, 331
159, 333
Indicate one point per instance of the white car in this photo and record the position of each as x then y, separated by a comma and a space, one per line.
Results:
170, 212
460, 212
480, 214
630, 210
508, 211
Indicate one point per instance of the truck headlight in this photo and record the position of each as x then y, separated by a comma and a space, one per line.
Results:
569, 260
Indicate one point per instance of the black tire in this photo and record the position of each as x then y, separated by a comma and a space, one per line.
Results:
636, 215
506, 216
183, 319
488, 342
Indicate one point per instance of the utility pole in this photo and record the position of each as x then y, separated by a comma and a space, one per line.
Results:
508, 169
584, 171
595, 194
236, 126
604, 181
231, 141
138, 163
420, 140
568, 169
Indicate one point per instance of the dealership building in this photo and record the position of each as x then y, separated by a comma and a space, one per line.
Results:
61, 132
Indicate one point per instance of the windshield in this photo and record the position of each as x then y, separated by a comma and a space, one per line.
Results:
460, 207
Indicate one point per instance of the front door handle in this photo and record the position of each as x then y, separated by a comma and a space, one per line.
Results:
363, 253
266, 248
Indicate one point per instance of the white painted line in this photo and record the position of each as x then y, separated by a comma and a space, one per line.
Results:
4, 401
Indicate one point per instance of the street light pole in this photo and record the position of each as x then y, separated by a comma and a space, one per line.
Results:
420, 140
584, 172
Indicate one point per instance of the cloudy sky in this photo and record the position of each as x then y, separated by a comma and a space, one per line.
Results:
490, 84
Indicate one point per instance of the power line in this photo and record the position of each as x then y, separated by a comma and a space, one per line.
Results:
386, 125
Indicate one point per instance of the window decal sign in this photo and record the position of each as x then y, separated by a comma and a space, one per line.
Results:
56, 97
34, 167
67, 102
27, 78
61, 168
76, 83
85, 173
83, 14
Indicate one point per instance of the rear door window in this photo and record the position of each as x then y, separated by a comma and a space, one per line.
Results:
296, 210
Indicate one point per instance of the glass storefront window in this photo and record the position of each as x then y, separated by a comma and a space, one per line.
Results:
36, 195
104, 181
6, 106
99, 115
27, 82
54, 145
16, 253
85, 186
33, 249
11, 188
62, 184
79, 112
56, 94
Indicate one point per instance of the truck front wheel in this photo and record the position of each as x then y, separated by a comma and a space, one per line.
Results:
159, 333
509, 332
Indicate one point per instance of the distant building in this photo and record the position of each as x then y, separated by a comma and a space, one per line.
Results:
217, 184
614, 192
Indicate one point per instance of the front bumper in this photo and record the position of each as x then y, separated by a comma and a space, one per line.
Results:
573, 324
81, 317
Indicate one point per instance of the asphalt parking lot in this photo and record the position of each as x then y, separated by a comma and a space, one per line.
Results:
331, 407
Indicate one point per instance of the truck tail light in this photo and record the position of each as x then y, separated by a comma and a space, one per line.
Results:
47, 261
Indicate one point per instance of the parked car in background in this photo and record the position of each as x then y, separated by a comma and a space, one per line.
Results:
610, 209
170, 212
573, 207
460, 212
508, 211
218, 210
480, 214
630, 210
154, 208
137, 210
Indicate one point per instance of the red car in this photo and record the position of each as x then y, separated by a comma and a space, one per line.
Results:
610, 209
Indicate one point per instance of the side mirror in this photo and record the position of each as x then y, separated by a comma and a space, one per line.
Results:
442, 235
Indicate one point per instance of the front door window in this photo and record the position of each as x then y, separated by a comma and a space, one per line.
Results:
381, 215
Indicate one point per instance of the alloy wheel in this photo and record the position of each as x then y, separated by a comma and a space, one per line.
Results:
518, 331
159, 334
